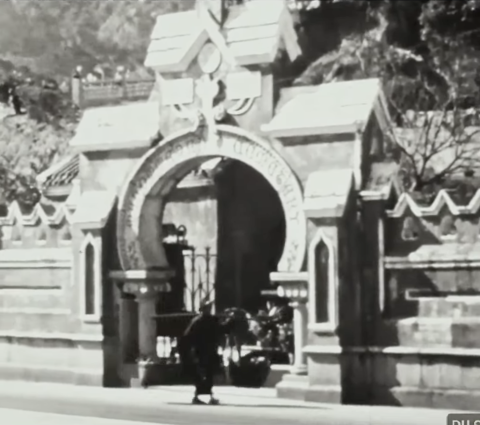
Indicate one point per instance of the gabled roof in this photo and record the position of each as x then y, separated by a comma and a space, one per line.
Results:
340, 107
61, 174
117, 127
253, 31
327, 191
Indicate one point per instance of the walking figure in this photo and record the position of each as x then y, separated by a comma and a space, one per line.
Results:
200, 345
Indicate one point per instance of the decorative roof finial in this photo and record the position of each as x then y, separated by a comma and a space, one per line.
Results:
216, 8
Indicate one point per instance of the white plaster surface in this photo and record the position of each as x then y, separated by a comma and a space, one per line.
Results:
340, 105
117, 127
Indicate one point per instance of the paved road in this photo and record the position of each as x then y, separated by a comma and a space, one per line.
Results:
19, 417
172, 407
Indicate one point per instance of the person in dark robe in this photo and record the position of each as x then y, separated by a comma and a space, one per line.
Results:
201, 342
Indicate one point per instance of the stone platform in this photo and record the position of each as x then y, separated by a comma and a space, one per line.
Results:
447, 378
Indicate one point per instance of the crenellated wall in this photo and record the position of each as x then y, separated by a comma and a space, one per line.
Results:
431, 254
40, 334
422, 323
408, 330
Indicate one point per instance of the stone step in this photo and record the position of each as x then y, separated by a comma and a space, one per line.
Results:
452, 306
439, 332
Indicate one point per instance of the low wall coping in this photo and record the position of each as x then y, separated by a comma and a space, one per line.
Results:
52, 336
397, 350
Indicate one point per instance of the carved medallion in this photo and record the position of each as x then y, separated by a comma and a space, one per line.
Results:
209, 59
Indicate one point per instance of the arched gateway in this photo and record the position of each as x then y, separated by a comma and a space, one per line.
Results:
142, 201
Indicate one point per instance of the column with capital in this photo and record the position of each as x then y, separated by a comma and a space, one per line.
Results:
145, 286
294, 287
147, 329
300, 320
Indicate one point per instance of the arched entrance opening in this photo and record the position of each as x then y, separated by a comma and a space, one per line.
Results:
140, 223
232, 225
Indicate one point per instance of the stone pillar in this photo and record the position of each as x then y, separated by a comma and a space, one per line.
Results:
300, 320
147, 329
294, 287
128, 327
145, 286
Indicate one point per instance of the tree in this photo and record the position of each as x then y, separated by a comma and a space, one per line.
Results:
431, 87
27, 148
437, 145
61, 35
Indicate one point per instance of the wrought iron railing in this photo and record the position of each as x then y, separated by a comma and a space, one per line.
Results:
200, 269
105, 92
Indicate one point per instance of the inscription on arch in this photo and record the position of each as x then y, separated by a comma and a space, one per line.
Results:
160, 170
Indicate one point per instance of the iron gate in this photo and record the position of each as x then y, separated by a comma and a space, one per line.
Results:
200, 270
198, 283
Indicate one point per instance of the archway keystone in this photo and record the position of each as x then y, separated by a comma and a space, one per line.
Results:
142, 201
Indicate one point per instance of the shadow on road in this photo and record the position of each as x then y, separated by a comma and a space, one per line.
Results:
265, 406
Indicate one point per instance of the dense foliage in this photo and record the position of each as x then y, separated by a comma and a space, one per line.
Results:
28, 147
426, 51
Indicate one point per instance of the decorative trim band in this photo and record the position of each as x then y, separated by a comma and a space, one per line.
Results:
278, 277
403, 263
36, 258
42, 264
36, 311
442, 200
45, 368
38, 213
51, 336
141, 275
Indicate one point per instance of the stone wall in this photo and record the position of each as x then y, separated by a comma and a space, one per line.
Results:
421, 342
416, 339
40, 338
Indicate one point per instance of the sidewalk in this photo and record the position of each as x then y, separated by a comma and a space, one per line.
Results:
18, 417
233, 400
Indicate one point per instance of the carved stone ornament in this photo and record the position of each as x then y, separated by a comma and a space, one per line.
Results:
410, 229
209, 59
447, 226
161, 168
145, 289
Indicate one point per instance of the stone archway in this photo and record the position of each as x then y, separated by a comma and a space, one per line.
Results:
143, 198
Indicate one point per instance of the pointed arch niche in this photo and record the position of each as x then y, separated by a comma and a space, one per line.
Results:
322, 283
90, 278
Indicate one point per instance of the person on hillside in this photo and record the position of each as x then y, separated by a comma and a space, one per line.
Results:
200, 344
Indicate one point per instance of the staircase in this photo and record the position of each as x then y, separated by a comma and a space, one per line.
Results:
452, 322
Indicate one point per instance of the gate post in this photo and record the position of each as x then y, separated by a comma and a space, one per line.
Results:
294, 287
145, 285
300, 320
147, 329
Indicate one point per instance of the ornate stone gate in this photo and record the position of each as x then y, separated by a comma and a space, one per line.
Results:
142, 200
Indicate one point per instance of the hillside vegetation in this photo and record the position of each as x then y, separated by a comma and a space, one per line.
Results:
426, 51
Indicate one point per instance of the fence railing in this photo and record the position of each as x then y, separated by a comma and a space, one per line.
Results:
200, 268
107, 92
